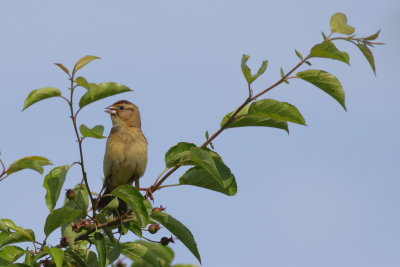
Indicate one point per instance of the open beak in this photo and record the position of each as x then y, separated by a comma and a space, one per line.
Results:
110, 110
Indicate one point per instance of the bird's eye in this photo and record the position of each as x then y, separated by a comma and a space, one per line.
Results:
121, 107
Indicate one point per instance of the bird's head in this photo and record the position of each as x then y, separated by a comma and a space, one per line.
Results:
124, 113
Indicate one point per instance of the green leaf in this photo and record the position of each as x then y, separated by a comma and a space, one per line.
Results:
100, 244
136, 230
298, 54
204, 160
197, 176
31, 162
113, 252
58, 218
76, 258
325, 81
20, 234
17, 237
29, 258
277, 110
266, 112
135, 200
81, 81
40, 94
262, 69
10, 254
368, 55
103, 90
282, 73
179, 230
112, 205
163, 253
62, 67
372, 37
180, 155
93, 90
339, 24
53, 182
139, 253
57, 255
283, 76
91, 259
82, 62
324, 36
245, 69
328, 50
7, 224
95, 132
3, 235
247, 72
245, 119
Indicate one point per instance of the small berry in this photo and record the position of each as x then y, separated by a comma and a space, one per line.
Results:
153, 228
70, 194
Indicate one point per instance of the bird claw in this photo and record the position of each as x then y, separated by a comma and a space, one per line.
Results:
149, 192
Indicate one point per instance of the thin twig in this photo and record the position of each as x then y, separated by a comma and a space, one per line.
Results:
116, 221
169, 185
66, 99
4, 167
161, 174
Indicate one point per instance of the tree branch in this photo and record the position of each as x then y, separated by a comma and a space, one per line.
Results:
157, 185
79, 139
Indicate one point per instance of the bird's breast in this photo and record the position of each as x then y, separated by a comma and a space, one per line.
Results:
125, 159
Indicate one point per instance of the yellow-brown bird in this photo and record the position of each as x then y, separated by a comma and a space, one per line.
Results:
125, 159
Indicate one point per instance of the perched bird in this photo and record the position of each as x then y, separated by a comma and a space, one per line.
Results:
125, 158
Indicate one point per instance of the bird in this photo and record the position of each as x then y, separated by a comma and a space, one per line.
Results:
125, 157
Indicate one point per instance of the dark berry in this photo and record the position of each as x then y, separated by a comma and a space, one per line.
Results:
165, 241
63, 242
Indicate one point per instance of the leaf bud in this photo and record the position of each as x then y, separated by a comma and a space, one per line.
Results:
161, 208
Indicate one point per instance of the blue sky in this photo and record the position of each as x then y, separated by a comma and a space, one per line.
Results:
325, 195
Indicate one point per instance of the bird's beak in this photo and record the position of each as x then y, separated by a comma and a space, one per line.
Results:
110, 110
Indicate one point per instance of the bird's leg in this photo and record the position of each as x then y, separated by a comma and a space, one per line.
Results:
149, 192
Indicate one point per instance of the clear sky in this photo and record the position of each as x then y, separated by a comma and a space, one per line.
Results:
325, 195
